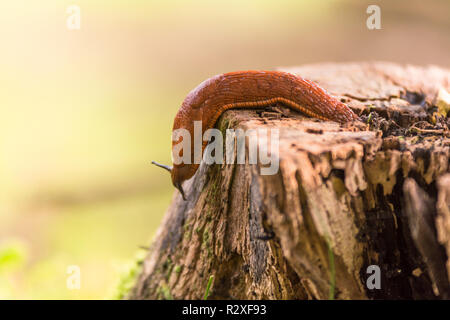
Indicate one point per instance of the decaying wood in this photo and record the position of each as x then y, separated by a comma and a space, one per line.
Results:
345, 197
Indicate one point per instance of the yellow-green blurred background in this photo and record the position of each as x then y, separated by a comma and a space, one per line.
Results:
83, 112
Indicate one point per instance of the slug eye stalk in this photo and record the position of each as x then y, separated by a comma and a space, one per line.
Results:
169, 168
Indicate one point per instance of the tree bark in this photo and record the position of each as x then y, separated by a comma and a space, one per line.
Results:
345, 197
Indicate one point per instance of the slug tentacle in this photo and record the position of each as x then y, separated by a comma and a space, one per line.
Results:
250, 90
168, 168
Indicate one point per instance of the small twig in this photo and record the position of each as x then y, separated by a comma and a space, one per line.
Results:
429, 131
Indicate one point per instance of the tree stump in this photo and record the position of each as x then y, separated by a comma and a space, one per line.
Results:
346, 197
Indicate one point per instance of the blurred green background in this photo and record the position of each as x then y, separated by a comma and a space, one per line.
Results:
83, 112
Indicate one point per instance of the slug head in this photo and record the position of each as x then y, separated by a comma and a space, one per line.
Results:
178, 173
181, 173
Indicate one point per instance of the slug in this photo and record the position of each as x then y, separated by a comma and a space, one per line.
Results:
249, 90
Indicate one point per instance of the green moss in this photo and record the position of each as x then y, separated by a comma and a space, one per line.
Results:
206, 237
129, 276
169, 266
187, 230
164, 292
206, 243
208, 215
214, 188
177, 269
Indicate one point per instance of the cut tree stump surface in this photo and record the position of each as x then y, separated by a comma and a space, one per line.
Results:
375, 192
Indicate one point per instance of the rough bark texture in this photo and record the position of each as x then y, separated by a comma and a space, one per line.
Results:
345, 197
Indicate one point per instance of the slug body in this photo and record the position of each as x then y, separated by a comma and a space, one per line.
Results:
250, 90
